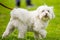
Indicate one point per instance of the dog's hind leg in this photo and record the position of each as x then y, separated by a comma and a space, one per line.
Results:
8, 30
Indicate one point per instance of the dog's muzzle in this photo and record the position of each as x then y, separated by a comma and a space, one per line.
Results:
45, 17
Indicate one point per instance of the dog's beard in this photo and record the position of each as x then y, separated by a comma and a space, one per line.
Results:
45, 18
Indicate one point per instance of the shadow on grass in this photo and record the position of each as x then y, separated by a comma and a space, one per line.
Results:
15, 38
27, 38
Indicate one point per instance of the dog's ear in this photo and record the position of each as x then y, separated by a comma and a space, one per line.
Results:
52, 9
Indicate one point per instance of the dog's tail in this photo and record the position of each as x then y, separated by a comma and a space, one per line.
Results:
5, 6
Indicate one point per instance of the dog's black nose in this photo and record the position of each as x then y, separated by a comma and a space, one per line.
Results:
46, 15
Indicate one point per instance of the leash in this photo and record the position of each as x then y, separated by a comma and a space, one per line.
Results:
17, 4
5, 6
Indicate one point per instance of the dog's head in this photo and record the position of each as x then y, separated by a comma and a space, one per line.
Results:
45, 12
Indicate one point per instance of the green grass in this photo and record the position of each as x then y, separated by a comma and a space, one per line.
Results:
53, 28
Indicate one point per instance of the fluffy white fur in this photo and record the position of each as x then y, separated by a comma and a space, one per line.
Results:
25, 20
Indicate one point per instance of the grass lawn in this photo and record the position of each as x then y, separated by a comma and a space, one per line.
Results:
53, 28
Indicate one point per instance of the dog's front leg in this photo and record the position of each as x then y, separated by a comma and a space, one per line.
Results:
43, 33
22, 31
36, 35
8, 30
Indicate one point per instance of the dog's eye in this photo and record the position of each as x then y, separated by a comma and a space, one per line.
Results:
48, 10
42, 10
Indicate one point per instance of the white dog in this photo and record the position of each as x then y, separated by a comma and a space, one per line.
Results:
25, 20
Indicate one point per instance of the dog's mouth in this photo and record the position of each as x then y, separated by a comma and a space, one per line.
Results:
45, 18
